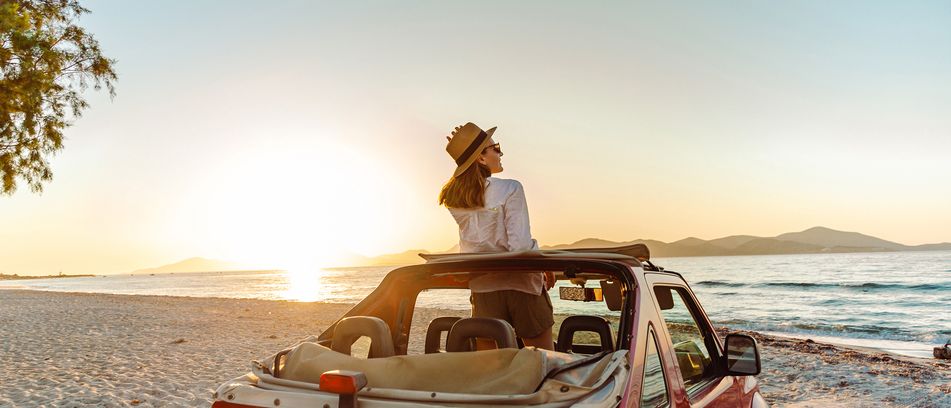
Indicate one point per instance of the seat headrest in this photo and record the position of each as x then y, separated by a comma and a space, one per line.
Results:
582, 323
350, 329
434, 332
480, 327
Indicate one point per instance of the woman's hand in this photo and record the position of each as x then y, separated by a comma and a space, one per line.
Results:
549, 280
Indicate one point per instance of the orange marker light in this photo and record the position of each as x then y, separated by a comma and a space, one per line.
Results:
342, 382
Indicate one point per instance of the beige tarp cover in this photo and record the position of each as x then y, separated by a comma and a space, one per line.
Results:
482, 378
504, 371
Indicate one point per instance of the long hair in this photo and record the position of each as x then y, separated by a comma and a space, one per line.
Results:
467, 190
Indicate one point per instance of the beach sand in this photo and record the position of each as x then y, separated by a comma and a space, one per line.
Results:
99, 350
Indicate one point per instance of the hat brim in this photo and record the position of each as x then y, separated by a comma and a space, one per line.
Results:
475, 156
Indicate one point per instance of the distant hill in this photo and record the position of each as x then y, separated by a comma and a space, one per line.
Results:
585, 243
811, 241
828, 238
944, 246
732, 241
690, 242
402, 258
758, 246
193, 265
409, 257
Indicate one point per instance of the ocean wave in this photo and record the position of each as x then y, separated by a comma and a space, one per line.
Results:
832, 302
831, 285
857, 286
714, 284
859, 331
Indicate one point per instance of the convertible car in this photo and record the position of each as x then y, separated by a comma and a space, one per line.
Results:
629, 334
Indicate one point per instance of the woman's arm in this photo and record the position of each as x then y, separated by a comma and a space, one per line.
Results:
517, 227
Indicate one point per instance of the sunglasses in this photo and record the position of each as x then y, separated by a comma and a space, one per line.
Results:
497, 147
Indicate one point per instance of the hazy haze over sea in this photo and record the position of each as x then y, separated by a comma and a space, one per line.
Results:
897, 301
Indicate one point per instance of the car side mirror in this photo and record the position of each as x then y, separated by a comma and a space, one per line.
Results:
742, 355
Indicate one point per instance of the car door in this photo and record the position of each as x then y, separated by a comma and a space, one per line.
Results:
688, 339
654, 380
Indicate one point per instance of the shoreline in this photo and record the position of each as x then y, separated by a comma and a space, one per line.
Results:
855, 344
93, 349
13, 277
845, 342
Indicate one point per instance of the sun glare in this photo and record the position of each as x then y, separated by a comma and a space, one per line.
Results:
303, 285
287, 208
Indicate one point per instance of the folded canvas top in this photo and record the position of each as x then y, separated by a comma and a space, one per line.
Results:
493, 377
502, 371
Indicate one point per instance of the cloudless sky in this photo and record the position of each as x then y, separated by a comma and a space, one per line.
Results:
295, 133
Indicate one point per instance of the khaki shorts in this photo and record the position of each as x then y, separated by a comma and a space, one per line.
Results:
530, 315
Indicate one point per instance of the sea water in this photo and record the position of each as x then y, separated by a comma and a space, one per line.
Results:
899, 301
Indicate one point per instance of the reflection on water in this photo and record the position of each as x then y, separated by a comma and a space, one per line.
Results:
303, 285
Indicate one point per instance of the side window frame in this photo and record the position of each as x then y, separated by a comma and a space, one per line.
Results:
703, 324
652, 337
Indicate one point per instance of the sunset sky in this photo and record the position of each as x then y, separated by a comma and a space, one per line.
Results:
295, 133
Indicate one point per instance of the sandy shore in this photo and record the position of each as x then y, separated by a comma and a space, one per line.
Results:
804, 373
97, 350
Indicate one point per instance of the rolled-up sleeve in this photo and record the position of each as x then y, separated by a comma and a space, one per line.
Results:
516, 221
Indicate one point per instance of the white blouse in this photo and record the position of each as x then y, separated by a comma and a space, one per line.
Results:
501, 226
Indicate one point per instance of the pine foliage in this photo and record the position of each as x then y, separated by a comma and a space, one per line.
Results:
46, 62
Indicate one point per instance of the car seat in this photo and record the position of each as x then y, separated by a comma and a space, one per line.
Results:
435, 330
582, 323
349, 329
480, 327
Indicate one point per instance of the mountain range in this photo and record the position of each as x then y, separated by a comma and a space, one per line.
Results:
193, 265
814, 240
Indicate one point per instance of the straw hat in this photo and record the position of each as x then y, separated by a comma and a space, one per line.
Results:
466, 144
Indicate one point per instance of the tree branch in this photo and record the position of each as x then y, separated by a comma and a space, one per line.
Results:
77, 62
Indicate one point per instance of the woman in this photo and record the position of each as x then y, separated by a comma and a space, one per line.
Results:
493, 217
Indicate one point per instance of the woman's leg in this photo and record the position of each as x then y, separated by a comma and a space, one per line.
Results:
532, 316
527, 313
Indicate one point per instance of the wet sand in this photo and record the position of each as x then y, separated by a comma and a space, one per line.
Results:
99, 350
